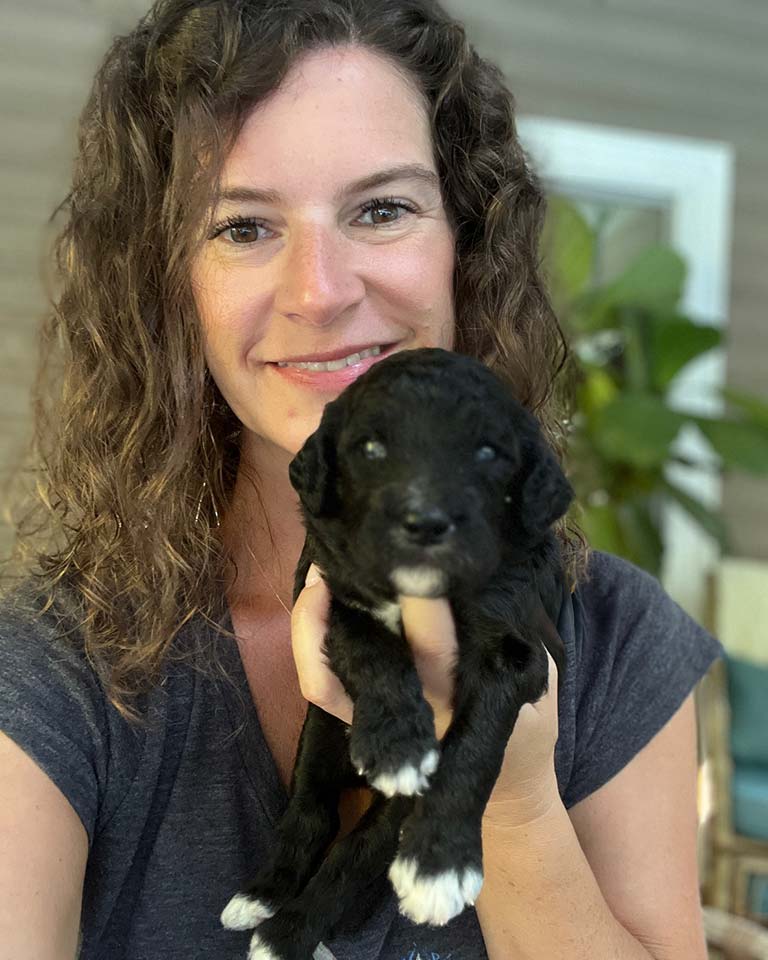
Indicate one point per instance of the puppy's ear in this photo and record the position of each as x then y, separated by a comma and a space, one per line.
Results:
546, 493
312, 471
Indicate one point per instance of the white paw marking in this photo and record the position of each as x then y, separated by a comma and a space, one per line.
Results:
408, 781
258, 950
433, 899
242, 913
421, 581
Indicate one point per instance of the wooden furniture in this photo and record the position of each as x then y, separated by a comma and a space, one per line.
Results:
729, 859
734, 938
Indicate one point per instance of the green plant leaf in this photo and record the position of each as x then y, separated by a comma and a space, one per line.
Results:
626, 528
596, 390
642, 538
709, 520
601, 528
590, 312
654, 281
674, 342
568, 245
755, 407
636, 429
741, 444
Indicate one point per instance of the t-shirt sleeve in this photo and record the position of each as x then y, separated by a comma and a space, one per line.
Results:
52, 706
639, 655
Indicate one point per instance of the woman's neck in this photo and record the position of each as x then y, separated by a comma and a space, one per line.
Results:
265, 508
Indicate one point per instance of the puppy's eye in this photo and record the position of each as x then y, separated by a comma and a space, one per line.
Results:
373, 449
486, 452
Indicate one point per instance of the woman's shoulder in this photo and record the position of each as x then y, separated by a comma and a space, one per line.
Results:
55, 704
26, 606
37, 627
51, 702
612, 578
636, 656
46, 671
615, 594
622, 605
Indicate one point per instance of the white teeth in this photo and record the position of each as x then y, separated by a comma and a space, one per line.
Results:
335, 364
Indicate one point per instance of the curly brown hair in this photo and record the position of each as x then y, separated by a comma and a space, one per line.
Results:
129, 427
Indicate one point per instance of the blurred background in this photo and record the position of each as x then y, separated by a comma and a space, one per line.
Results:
648, 123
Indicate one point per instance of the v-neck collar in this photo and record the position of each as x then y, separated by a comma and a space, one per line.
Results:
256, 756
261, 770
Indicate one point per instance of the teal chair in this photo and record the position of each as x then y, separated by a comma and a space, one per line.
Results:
735, 715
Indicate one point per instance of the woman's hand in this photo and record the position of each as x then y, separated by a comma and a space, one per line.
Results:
526, 787
428, 625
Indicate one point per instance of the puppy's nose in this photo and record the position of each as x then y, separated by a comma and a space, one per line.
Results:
427, 525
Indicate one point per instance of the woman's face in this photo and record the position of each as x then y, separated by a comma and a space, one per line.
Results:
298, 270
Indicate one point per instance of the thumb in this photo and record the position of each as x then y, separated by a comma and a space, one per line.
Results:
430, 630
309, 624
313, 576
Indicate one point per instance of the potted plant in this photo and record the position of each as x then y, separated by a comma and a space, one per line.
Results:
630, 340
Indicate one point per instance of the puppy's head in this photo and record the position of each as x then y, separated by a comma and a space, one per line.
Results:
424, 475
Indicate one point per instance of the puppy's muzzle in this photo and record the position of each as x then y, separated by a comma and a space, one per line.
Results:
424, 526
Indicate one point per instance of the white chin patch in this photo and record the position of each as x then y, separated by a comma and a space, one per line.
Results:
433, 899
408, 780
242, 913
419, 581
260, 951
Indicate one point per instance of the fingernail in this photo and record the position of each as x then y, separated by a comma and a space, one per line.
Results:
313, 575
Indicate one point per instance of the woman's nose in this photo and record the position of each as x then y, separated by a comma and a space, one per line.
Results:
318, 279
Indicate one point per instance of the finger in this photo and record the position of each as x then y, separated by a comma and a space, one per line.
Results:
430, 631
309, 623
553, 678
547, 704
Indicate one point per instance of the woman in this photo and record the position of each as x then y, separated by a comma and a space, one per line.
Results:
260, 186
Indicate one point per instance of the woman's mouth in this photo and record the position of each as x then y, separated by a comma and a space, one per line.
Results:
335, 364
332, 375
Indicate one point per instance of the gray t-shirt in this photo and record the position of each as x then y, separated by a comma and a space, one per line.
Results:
179, 812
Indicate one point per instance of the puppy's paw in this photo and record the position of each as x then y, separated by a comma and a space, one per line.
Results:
244, 913
259, 950
433, 898
396, 753
409, 779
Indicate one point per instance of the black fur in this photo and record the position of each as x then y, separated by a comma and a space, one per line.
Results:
425, 461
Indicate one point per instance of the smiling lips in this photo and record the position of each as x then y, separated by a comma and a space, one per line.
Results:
339, 364
334, 373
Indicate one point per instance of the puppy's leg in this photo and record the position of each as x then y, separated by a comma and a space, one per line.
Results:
392, 739
307, 827
352, 865
438, 869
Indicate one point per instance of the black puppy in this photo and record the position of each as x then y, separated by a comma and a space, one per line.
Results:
426, 478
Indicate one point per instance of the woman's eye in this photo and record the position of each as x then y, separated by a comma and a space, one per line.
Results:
240, 230
486, 452
389, 203
244, 231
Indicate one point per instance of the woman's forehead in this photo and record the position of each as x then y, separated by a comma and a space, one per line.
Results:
330, 127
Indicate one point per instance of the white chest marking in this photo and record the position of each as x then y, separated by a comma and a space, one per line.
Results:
389, 615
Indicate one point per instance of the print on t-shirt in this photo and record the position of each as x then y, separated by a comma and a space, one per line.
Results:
419, 953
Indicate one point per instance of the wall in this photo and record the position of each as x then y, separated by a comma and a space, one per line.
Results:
692, 67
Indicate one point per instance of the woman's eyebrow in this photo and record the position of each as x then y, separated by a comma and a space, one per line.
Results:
409, 171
